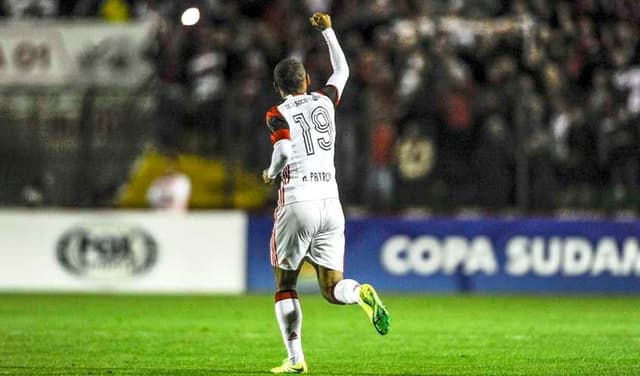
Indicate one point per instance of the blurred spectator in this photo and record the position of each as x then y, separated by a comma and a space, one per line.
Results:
170, 192
493, 165
207, 84
560, 125
532, 98
629, 80
490, 87
30, 8
416, 158
379, 190
115, 10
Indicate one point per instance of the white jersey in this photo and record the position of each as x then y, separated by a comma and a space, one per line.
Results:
308, 221
309, 122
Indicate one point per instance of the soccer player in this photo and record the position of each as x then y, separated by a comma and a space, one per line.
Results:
309, 223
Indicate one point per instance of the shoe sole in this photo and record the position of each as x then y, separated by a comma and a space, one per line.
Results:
379, 315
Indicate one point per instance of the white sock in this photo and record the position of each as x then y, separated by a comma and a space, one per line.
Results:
347, 291
289, 316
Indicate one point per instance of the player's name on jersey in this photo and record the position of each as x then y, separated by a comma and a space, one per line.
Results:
299, 102
315, 177
296, 103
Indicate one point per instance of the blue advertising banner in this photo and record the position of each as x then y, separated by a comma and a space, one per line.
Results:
483, 255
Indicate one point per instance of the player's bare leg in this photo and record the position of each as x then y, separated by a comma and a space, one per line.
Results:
289, 316
337, 290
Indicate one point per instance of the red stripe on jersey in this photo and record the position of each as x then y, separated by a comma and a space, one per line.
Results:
325, 94
286, 175
274, 255
281, 194
338, 94
273, 112
274, 250
280, 134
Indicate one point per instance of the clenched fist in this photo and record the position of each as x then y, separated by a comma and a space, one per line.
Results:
265, 177
320, 21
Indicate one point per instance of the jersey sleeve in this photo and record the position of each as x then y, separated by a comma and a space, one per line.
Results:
277, 125
340, 75
331, 92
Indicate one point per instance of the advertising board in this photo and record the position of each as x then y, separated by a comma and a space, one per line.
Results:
482, 255
115, 251
59, 52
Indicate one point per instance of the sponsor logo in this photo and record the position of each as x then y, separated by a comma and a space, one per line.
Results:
427, 255
107, 251
570, 256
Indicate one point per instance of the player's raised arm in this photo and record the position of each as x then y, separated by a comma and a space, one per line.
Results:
338, 79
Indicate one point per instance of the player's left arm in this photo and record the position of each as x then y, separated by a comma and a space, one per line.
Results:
336, 83
281, 154
280, 137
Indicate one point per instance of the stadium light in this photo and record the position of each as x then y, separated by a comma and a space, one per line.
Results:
190, 16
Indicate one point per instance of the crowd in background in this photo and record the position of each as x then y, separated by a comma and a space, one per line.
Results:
494, 104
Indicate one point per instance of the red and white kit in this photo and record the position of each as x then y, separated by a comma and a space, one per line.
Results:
309, 221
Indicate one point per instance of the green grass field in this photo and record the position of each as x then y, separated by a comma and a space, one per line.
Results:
430, 335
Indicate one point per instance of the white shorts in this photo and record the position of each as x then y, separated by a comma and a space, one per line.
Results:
311, 229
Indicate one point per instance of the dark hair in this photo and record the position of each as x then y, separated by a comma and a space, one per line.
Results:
289, 75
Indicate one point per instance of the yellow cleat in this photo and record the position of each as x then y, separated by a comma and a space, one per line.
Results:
373, 307
287, 367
